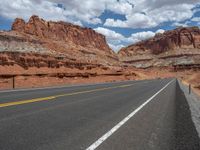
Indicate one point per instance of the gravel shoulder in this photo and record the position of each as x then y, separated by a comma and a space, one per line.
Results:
194, 102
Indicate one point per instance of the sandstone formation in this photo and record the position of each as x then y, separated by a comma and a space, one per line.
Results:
179, 46
58, 39
183, 38
27, 60
43, 53
61, 31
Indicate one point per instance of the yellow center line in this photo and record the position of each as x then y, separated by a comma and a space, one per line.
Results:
57, 96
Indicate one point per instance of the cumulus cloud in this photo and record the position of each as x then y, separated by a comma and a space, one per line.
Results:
110, 35
116, 48
148, 17
160, 31
137, 20
196, 19
177, 24
140, 36
72, 11
139, 14
77, 10
115, 40
25, 8
136, 37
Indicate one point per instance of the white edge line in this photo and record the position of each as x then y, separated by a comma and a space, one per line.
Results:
116, 127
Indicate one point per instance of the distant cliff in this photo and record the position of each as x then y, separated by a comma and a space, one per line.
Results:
61, 31
182, 44
169, 40
57, 39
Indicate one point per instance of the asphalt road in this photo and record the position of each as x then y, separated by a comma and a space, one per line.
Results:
131, 115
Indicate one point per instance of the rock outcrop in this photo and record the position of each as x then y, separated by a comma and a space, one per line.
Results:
180, 38
62, 31
176, 47
58, 39
27, 60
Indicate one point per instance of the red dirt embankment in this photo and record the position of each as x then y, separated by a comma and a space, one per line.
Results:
36, 70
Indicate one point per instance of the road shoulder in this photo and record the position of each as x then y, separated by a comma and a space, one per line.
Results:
194, 103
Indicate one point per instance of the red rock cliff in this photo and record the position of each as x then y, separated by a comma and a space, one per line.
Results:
180, 38
61, 31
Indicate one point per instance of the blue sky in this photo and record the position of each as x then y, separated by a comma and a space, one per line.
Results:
123, 22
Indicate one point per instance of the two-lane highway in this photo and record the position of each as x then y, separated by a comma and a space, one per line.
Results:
135, 115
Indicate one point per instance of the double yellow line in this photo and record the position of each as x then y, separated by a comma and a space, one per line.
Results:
57, 96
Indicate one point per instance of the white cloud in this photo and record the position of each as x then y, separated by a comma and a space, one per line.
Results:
114, 39
116, 48
196, 19
25, 8
110, 35
137, 20
148, 17
115, 23
177, 24
139, 14
136, 37
79, 23
76, 10
122, 7
72, 11
160, 31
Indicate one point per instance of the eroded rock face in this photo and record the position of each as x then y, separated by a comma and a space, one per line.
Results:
58, 38
27, 60
19, 25
176, 47
61, 31
180, 38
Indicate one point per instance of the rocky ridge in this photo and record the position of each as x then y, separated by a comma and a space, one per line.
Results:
57, 39
61, 31
176, 47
